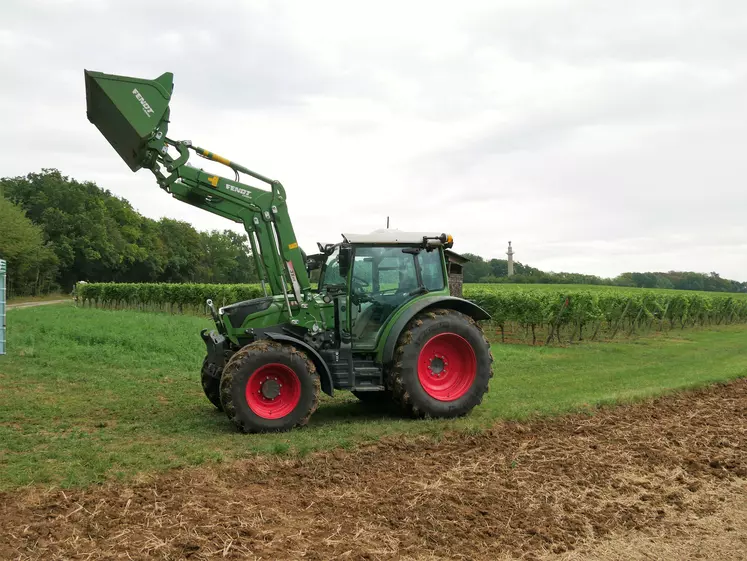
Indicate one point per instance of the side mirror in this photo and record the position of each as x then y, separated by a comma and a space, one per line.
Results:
345, 259
314, 262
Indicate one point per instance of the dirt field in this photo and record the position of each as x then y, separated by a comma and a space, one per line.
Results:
662, 480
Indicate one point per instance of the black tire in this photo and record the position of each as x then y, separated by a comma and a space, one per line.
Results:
403, 378
211, 384
254, 360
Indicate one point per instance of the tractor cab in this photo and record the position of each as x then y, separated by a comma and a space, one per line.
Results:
377, 274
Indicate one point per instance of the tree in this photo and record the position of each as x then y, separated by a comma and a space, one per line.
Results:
94, 234
499, 267
662, 281
476, 268
644, 280
244, 270
32, 264
227, 258
625, 279
182, 251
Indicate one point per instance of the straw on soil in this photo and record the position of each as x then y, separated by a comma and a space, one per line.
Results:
567, 487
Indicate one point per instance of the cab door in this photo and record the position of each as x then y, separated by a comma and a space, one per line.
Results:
383, 279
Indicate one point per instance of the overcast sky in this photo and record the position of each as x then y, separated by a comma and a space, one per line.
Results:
600, 137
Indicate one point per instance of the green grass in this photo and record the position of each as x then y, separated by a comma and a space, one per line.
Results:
88, 395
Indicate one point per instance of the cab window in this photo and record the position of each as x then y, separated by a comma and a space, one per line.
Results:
383, 278
331, 273
431, 268
385, 269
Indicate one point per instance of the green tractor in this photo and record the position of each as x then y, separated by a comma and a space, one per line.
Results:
381, 322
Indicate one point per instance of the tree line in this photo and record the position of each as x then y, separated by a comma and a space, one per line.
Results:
56, 231
480, 270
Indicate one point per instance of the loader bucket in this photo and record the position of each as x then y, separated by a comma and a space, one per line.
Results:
127, 110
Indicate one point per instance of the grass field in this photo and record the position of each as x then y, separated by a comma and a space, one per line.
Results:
88, 395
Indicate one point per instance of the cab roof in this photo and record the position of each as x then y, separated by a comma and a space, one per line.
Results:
390, 236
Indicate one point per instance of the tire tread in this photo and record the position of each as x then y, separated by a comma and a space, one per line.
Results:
395, 374
234, 367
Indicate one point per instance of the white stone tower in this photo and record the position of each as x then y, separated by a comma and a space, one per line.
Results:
510, 254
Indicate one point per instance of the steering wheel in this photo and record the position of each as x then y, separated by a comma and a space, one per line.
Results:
356, 293
363, 282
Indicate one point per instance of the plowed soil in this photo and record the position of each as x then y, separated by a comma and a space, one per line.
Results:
666, 479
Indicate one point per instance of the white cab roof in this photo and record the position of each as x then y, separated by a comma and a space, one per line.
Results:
390, 236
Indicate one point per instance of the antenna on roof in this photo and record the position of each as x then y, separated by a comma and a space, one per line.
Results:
387, 222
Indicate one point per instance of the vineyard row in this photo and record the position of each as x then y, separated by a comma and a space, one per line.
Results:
571, 312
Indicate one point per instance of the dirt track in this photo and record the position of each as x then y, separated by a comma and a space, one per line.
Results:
664, 480
40, 303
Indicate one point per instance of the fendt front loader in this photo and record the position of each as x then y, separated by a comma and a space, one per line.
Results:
381, 322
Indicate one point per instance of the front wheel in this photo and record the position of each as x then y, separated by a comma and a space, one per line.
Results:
442, 365
210, 376
269, 387
211, 383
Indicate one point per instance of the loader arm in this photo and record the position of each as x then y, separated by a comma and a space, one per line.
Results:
263, 212
133, 115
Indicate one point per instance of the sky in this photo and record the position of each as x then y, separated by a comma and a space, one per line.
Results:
599, 137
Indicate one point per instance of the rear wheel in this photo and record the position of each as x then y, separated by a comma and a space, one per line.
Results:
269, 387
442, 365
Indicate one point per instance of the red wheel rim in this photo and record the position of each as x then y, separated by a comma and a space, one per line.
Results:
447, 367
273, 391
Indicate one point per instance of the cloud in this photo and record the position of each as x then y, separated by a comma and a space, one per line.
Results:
599, 137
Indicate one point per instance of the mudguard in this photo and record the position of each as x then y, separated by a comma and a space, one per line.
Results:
449, 302
325, 376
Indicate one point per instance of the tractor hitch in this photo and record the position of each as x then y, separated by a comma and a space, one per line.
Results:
217, 345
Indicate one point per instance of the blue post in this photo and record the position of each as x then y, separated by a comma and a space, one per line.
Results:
2, 307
